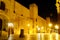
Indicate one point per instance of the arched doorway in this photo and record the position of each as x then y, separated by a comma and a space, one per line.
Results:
0, 27
0, 24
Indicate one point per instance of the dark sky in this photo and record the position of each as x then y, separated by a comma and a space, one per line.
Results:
46, 8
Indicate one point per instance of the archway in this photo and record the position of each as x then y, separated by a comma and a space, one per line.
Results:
4, 19
0, 26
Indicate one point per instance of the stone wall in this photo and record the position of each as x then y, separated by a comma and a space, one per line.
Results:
20, 16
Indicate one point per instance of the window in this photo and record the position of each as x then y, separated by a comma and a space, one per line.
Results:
2, 6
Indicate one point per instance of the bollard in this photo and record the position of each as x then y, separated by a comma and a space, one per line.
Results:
22, 33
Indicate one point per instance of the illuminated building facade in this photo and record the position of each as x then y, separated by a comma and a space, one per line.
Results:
58, 10
18, 15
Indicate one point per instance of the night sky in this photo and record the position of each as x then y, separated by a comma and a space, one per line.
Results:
46, 8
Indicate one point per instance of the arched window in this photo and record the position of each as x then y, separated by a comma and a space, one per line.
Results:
2, 6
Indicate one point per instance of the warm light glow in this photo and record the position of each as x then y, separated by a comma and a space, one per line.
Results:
56, 27
30, 31
42, 36
50, 24
50, 36
10, 37
57, 36
28, 25
42, 27
38, 36
10, 25
38, 28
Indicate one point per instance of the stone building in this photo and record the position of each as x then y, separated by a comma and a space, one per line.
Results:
58, 11
18, 15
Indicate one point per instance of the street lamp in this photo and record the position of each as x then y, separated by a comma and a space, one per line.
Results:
50, 25
56, 27
10, 25
42, 29
38, 28
10, 30
28, 27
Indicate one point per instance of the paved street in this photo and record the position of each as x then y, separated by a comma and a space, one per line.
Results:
38, 36
41, 36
